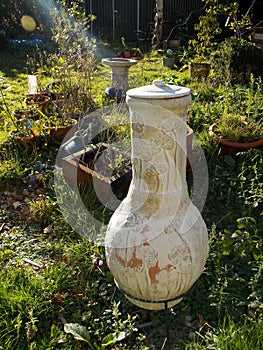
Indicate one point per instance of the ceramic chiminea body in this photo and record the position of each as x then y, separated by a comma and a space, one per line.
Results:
156, 242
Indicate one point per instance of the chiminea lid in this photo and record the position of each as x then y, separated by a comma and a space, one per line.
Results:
158, 90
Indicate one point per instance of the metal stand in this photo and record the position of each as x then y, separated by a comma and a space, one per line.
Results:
167, 326
167, 343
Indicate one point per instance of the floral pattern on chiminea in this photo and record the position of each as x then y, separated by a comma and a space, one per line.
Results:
156, 242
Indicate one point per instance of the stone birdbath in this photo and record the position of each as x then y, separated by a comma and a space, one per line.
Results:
119, 72
156, 242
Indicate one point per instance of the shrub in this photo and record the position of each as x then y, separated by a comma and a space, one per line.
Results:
236, 59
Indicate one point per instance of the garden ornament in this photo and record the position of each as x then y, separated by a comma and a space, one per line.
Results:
156, 242
119, 71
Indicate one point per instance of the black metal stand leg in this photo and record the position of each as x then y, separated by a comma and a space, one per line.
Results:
167, 326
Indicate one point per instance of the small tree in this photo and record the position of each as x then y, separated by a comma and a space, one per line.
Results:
207, 28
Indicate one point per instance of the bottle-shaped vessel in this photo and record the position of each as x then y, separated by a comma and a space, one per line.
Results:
156, 242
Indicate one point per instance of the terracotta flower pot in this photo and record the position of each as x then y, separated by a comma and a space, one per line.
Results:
38, 100
232, 148
79, 168
26, 113
59, 132
28, 142
199, 69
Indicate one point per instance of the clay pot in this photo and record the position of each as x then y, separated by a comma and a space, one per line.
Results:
199, 69
58, 133
26, 114
38, 100
232, 148
79, 168
169, 62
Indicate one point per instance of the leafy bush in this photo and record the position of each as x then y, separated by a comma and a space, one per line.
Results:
236, 59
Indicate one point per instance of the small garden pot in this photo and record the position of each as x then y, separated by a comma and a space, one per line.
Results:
169, 62
26, 113
59, 132
28, 142
199, 69
173, 43
80, 168
231, 147
38, 100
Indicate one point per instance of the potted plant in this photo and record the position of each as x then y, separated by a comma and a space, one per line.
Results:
25, 131
56, 124
236, 59
124, 51
170, 58
237, 133
39, 100
69, 70
28, 113
57, 128
105, 167
207, 28
239, 127
101, 158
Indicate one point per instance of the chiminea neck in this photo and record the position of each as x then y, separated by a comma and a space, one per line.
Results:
158, 148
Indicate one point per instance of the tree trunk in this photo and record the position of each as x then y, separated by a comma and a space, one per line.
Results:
158, 27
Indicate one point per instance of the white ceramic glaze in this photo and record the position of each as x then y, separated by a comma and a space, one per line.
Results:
156, 242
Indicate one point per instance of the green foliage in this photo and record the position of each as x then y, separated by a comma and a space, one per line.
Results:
79, 332
23, 303
207, 28
241, 112
210, 26
12, 168
203, 109
229, 336
70, 67
237, 112
239, 23
233, 273
235, 59
237, 129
